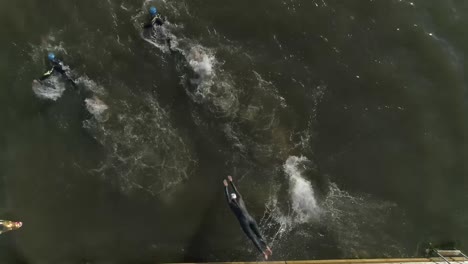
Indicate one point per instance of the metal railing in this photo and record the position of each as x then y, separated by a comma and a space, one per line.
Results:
449, 254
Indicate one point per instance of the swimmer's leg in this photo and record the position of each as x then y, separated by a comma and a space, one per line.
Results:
251, 235
253, 225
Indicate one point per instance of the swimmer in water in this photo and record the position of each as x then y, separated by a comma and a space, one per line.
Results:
248, 224
57, 66
157, 20
6, 226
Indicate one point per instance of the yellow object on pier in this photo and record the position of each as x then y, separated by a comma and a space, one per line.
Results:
6, 226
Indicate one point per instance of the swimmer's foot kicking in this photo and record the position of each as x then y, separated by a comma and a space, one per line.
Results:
247, 223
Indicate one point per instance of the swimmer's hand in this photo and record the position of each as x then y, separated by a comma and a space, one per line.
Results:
230, 178
225, 183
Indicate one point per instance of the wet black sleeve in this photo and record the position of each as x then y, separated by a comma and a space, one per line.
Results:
159, 21
235, 189
226, 191
59, 68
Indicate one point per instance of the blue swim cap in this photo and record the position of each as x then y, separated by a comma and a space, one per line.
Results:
153, 11
51, 56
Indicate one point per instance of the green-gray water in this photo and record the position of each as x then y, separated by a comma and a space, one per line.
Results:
343, 122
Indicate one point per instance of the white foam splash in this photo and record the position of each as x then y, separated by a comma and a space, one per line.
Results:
280, 217
50, 89
202, 62
355, 220
91, 85
210, 85
97, 108
301, 192
205, 83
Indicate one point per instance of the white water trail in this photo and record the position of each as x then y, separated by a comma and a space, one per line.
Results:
90, 85
356, 221
302, 207
50, 89
97, 108
301, 191
145, 152
209, 84
205, 82
202, 61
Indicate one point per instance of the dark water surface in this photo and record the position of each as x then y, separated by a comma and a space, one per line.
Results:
344, 123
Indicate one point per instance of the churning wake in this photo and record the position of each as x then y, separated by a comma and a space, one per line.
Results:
200, 72
97, 108
54, 86
304, 204
144, 151
50, 89
356, 220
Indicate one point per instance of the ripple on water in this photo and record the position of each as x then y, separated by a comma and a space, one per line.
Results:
144, 151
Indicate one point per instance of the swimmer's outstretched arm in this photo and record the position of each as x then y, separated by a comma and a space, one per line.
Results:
234, 186
226, 191
159, 21
47, 74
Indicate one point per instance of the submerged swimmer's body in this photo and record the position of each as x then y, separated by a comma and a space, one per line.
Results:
57, 66
246, 221
156, 20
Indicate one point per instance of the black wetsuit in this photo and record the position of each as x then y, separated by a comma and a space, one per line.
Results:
155, 20
158, 21
58, 66
246, 221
